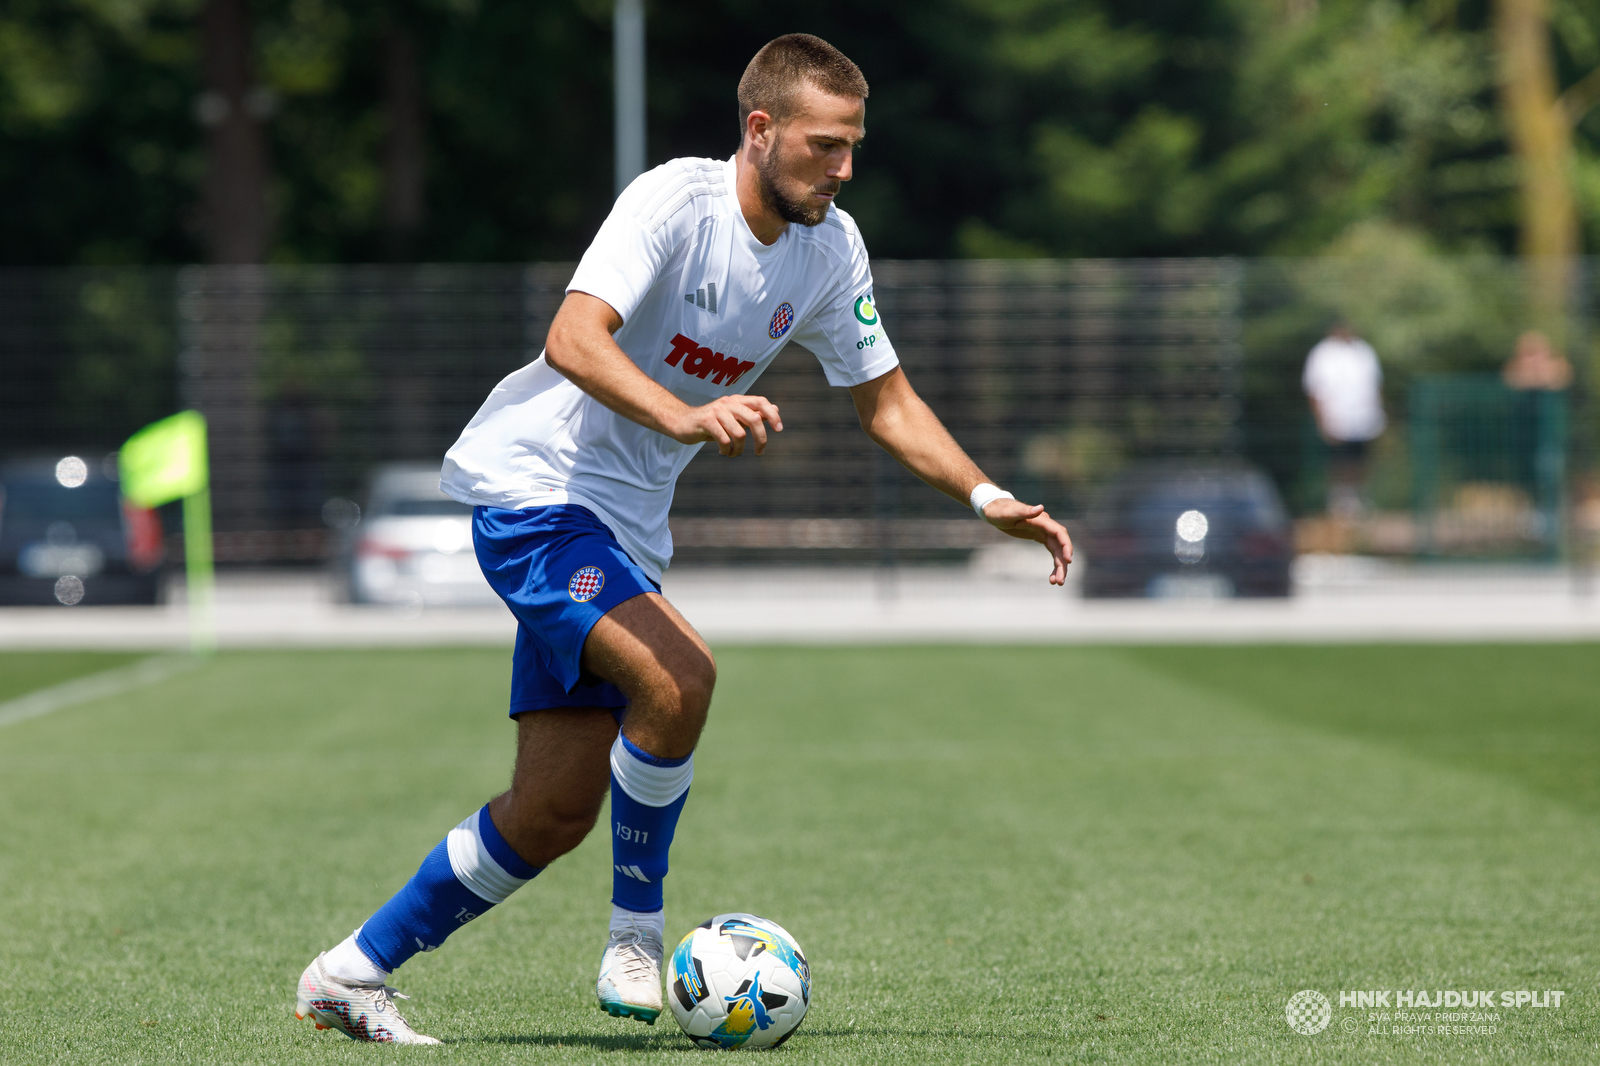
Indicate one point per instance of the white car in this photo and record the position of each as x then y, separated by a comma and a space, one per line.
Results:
413, 545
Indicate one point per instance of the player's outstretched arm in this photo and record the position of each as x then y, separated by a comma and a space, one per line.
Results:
580, 348
895, 417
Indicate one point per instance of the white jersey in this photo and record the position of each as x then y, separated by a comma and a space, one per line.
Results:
705, 308
1346, 380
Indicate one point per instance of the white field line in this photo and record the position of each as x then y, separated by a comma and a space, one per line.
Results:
95, 687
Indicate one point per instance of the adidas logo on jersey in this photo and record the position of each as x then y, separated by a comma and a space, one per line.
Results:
700, 361
704, 298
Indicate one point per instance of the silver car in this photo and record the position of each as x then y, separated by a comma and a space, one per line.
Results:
412, 546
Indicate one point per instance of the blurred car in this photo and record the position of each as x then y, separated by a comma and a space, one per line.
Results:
1188, 530
411, 545
67, 536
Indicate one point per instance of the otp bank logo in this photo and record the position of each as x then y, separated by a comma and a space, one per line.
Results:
700, 361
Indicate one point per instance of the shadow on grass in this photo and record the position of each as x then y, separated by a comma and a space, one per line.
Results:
670, 1041
651, 1042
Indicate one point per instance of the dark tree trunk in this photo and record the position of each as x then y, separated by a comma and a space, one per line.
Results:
234, 195
403, 206
225, 303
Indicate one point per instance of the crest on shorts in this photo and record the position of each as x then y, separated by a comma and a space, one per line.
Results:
782, 319
586, 583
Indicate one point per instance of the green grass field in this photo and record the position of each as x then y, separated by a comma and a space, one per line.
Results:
989, 854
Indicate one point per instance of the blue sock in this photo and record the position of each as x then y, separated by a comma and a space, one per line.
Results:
470, 870
647, 795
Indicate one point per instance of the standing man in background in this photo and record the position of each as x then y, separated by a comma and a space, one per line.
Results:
705, 271
1344, 383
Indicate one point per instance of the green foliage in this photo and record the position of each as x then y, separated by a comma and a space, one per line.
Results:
999, 128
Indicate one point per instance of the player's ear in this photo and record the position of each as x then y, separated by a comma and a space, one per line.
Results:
758, 129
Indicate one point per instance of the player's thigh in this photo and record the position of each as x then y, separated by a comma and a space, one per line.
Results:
644, 646
563, 762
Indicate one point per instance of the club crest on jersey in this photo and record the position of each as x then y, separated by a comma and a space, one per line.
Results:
586, 583
782, 319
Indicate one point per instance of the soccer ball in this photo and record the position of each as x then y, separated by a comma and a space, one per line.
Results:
738, 981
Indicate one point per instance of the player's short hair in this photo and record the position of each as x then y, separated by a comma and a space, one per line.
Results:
774, 77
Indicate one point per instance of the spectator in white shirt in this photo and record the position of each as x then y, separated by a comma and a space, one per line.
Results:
1344, 383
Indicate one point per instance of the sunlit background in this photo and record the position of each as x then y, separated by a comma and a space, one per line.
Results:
1105, 238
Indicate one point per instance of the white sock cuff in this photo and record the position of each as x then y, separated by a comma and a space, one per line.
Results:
475, 867
350, 964
645, 921
649, 784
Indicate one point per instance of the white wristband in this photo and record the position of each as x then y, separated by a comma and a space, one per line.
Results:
985, 494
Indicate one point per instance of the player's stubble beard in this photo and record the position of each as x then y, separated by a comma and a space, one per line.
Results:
794, 209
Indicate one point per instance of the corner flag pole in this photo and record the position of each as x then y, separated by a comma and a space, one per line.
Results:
627, 57
166, 461
199, 571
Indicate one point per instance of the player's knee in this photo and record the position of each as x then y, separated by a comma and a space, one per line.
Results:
693, 685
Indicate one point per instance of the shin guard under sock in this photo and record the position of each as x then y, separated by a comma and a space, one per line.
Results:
647, 795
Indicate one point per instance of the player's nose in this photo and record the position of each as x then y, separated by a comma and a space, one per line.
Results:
841, 168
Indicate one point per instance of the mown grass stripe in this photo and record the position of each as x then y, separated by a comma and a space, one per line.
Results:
99, 686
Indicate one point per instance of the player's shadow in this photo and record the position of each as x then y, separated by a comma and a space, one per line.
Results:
651, 1042
658, 1042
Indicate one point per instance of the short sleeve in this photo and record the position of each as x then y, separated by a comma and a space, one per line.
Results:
624, 258
1309, 377
846, 334
1373, 363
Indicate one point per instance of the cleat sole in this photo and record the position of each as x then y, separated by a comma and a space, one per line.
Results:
648, 1015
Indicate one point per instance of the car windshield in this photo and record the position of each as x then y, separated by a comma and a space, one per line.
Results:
1237, 500
29, 508
411, 508
39, 511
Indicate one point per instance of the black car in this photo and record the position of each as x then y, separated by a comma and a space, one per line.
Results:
1188, 529
68, 537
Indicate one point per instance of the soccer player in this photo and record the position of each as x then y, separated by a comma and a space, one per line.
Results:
703, 272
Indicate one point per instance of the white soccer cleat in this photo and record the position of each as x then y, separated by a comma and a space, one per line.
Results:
630, 975
361, 1012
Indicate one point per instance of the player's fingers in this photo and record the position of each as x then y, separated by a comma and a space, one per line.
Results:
713, 429
1010, 512
769, 411
758, 430
736, 433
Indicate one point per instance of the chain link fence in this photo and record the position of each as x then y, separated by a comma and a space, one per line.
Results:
1058, 377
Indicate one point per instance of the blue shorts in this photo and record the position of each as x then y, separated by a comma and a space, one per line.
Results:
559, 569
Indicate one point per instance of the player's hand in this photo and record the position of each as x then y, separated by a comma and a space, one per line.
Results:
731, 421
1029, 522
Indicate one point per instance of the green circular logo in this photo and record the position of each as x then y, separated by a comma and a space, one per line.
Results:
866, 314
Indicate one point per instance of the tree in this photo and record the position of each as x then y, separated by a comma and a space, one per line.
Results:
478, 130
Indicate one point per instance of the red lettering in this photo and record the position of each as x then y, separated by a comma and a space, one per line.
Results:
681, 346
699, 362
726, 369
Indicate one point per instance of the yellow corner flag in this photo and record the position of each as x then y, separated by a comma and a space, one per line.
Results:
166, 461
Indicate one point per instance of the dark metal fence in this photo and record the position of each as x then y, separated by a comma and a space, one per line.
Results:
1056, 375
